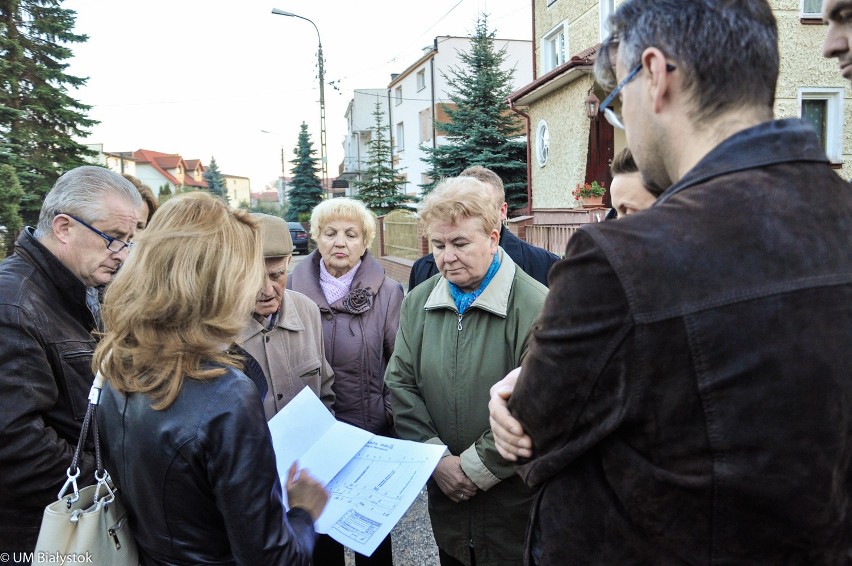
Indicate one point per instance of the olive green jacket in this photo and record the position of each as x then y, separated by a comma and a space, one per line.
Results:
439, 375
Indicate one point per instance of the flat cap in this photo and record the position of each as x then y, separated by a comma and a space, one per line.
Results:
275, 235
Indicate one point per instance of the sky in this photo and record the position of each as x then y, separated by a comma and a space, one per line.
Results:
231, 80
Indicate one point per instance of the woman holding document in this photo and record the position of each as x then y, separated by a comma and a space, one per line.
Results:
183, 427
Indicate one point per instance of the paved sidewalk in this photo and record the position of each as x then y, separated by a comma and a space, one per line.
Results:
413, 543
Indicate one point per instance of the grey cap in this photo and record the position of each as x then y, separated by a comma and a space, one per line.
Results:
275, 235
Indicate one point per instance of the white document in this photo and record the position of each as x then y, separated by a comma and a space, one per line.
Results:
372, 479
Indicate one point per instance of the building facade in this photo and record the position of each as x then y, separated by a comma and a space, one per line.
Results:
359, 133
567, 147
415, 99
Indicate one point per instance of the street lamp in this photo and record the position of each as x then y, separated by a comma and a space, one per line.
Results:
323, 154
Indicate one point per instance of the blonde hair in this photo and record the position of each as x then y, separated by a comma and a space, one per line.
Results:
458, 198
181, 299
347, 208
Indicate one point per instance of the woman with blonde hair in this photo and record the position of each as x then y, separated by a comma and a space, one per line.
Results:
360, 317
459, 334
183, 427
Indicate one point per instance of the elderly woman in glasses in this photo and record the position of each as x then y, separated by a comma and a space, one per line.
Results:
360, 317
459, 334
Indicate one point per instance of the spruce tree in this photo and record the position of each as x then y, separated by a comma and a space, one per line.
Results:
10, 218
481, 129
38, 119
306, 189
216, 183
381, 189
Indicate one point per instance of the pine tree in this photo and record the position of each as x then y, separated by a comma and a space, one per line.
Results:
38, 119
10, 218
381, 189
481, 129
306, 189
216, 183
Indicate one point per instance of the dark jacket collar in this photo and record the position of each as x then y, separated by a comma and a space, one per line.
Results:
306, 276
68, 286
769, 143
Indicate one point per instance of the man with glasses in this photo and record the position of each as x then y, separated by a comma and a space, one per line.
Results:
48, 310
687, 393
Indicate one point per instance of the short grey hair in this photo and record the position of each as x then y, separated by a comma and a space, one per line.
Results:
81, 192
347, 208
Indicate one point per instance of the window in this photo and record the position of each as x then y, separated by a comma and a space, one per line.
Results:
425, 124
607, 7
823, 108
553, 48
542, 143
400, 137
811, 8
397, 95
421, 79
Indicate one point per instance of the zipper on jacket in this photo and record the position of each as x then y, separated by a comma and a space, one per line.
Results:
460, 322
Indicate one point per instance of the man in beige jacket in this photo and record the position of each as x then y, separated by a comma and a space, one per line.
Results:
284, 334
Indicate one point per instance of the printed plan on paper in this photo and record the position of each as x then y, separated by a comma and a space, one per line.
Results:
372, 479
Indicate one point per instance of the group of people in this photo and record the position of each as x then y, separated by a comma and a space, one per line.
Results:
677, 389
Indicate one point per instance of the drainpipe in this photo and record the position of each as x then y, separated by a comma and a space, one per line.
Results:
529, 152
432, 89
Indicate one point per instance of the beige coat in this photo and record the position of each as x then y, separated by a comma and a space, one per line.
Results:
292, 354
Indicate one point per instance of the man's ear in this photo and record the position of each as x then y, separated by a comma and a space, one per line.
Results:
61, 228
661, 83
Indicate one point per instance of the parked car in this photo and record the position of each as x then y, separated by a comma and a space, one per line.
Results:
300, 238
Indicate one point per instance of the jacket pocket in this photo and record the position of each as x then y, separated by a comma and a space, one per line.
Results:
75, 364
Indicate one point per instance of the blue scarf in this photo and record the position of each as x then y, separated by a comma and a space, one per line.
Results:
464, 300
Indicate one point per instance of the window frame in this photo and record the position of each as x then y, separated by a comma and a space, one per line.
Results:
809, 15
548, 49
542, 145
397, 95
834, 117
399, 142
421, 79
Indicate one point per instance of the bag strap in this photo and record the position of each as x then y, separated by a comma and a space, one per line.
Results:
90, 421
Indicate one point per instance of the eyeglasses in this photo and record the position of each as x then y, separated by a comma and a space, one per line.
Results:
113, 244
611, 115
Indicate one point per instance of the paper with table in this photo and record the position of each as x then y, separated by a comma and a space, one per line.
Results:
372, 479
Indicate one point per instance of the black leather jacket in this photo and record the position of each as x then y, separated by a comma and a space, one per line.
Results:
199, 478
45, 375
536, 262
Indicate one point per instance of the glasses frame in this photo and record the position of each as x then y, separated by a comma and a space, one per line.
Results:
110, 241
608, 112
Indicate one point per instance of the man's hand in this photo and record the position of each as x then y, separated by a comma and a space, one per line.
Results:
509, 435
306, 492
452, 480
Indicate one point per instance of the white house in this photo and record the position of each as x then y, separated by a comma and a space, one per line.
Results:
359, 133
416, 95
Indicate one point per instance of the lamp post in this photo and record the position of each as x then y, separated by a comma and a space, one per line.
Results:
323, 154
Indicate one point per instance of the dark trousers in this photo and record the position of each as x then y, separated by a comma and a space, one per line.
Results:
329, 552
447, 560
